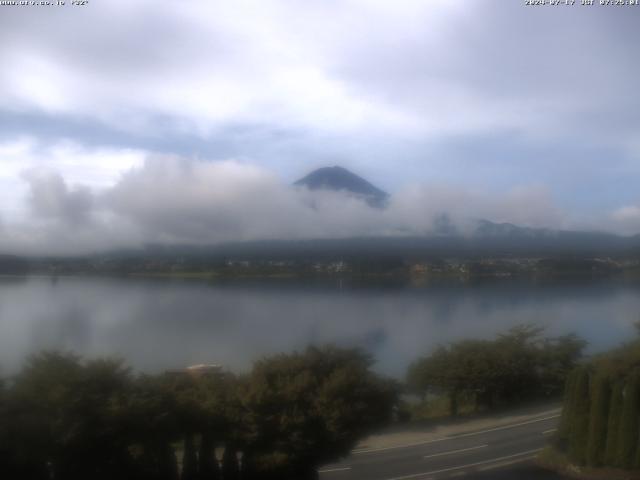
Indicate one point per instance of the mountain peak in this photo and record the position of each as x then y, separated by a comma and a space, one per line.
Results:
338, 178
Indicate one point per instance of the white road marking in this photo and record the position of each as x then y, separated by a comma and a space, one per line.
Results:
453, 437
327, 470
506, 427
469, 465
455, 451
551, 430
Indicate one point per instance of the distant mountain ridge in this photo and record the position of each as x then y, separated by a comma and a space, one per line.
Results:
340, 179
521, 242
487, 229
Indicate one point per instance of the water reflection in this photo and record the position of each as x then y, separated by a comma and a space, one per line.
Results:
159, 324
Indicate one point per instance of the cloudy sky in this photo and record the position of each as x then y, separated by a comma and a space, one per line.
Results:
132, 122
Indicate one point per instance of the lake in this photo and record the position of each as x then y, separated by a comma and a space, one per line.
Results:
157, 324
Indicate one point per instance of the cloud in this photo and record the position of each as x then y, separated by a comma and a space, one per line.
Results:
177, 200
422, 69
51, 198
419, 206
183, 200
205, 66
625, 219
180, 200
465, 100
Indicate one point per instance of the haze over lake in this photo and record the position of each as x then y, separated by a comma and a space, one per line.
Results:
163, 324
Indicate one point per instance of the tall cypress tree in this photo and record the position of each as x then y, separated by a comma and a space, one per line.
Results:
579, 428
636, 460
598, 417
613, 424
567, 408
628, 431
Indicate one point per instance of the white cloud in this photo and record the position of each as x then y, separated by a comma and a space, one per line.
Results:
418, 206
209, 64
50, 197
371, 82
94, 168
625, 219
175, 200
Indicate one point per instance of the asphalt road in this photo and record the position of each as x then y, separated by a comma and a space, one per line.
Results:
495, 453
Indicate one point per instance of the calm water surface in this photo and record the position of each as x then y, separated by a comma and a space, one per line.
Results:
160, 324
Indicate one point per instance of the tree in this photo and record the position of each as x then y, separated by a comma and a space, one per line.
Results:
189, 459
557, 357
207, 463
69, 419
153, 426
221, 418
519, 349
309, 408
598, 418
613, 424
518, 365
609, 410
579, 428
628, 430
436, 373
66, 418
564, 428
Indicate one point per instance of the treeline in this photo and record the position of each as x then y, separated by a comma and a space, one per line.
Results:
518, 365
12, 265
64, 418
600, 424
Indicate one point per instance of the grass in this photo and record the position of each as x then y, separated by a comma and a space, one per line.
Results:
438, 407
552, 459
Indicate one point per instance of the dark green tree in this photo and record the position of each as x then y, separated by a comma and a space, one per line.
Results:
556, 358
207, 463
435, 374
221, 418
598, 419
67, 418
310, 408
519, 365
154, 425
628, 429
564, 427
579, 429
613, 423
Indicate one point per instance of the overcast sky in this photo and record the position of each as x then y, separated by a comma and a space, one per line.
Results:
129, 122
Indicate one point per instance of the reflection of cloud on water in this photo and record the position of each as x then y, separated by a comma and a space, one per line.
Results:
68, 329
161, 324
